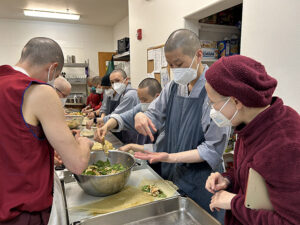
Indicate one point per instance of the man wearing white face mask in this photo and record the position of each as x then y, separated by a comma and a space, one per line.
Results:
148, 90
123, 99
194, 144
63, 89
34, 120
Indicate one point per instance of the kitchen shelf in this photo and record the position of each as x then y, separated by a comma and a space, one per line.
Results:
209, 60
218, 28
125, 56
80, 104
76, 65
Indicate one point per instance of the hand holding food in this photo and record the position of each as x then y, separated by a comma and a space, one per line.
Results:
216, 182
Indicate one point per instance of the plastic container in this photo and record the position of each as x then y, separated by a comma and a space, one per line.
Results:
227, 46
221, 48
234, 45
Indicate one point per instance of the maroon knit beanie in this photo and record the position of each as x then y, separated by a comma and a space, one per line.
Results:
243, 78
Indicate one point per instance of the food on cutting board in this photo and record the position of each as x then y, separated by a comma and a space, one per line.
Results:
99, 147
103, 168
87, 133
73, 123
153, 190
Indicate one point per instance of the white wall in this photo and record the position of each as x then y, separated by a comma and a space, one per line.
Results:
120, 30
83, 41
271, 35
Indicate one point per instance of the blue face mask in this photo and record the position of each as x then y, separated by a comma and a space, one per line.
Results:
93, 90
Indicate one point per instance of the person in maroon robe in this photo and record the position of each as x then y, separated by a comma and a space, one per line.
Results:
268, 141
32, 125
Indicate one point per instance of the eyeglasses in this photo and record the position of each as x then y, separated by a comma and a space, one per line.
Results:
61, 92
210, 103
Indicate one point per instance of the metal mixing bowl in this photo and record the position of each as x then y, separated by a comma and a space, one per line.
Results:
107, 184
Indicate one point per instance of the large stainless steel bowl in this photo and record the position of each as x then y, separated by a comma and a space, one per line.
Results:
107, 184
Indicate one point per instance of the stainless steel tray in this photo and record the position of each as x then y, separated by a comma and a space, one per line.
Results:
174, 211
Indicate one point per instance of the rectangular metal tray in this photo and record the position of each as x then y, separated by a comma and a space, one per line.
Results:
175, 211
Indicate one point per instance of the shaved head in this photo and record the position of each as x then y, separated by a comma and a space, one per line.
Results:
40, 51
62, 85
185, 40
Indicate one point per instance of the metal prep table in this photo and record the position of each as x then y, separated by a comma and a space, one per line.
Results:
75, 196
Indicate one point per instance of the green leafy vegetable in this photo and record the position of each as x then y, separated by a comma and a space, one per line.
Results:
103, 168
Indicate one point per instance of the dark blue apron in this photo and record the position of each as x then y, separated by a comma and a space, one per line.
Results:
124, 136
184, 132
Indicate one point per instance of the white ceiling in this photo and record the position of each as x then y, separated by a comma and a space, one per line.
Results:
96, 12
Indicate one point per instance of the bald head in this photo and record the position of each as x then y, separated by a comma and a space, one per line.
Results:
40, 51
62, 86
185, 40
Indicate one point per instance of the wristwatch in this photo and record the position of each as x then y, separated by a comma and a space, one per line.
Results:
95, 120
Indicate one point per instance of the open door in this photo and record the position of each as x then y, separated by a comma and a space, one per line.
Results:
103, 57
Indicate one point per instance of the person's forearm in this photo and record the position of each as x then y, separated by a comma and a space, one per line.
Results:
102, 115
191, 156
111, 124
136, 147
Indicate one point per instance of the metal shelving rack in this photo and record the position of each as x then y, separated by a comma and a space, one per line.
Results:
79, 91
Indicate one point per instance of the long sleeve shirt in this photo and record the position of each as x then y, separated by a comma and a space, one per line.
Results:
126, 122
270, 144
127, 102
216, 138
94, 100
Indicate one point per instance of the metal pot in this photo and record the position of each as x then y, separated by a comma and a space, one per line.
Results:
107, 184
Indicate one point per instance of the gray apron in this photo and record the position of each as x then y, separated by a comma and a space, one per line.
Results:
124, 136
184, 132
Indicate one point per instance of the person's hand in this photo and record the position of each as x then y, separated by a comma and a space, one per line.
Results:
152, 157
221, 200
142, 124
76, 133
91, 115
100, 134
89, 124
216, 182
57, 159
85, 141
133, 147
126, 148
100, 122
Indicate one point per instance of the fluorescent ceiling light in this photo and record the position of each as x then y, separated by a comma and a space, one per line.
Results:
53, 15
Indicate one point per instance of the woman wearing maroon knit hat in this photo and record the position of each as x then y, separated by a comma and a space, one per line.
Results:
240, 91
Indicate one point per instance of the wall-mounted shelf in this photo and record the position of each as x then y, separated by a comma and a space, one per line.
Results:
76, 65
209, 60
79, 104
125, 56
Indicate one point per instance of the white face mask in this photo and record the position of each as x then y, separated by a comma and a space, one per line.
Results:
185, 75
219, 118
51, 82
63, 101
119, 87
144, 106
99, 90
109, 92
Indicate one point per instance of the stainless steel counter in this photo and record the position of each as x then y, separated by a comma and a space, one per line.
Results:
76, 197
